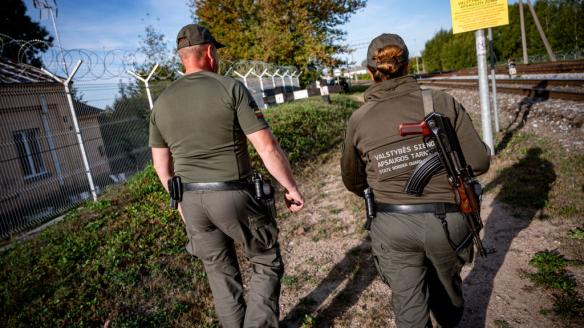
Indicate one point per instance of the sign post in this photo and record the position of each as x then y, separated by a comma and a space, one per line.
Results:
476, 15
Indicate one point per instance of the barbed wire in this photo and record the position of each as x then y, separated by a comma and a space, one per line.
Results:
116, 63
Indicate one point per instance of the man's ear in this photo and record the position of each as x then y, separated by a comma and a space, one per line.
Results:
211, 58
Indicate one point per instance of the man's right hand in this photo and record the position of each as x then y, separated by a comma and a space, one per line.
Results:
294, 200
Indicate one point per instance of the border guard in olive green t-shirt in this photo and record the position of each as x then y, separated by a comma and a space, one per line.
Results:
199, 129
410, 235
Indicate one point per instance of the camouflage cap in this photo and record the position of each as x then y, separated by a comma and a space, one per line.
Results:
195, 34
382, 41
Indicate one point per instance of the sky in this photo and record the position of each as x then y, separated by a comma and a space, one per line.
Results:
105, 25
116, 24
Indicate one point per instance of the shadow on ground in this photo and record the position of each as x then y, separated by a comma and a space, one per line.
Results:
526, 185
536, 95
356, 269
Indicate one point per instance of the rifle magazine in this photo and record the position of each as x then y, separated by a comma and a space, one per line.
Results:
422, 174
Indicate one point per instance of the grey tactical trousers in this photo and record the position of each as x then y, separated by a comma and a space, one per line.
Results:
214, 221
413, 256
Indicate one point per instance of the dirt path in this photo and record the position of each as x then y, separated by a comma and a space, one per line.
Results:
330, 279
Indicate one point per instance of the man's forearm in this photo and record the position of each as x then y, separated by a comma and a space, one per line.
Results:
277, 164
162, 162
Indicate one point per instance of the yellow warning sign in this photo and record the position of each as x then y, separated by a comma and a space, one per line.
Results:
470, 15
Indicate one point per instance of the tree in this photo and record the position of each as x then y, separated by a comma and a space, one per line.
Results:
562, 22
15, 24
125, 124
302, 33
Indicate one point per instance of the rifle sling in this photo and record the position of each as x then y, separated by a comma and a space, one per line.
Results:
428, 101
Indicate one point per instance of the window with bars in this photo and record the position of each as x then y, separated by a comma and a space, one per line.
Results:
29, 152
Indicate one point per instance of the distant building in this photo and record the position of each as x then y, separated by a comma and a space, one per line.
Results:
356, 71
40, 161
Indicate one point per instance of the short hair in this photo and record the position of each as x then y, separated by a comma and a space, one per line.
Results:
390, 63
198, 50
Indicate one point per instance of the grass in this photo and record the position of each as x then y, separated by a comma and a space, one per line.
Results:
502, 323
542, 177
122, 259
552, 274
119, 259
576, 233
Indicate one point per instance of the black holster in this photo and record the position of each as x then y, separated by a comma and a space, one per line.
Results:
371, 211
175, 189
264, 192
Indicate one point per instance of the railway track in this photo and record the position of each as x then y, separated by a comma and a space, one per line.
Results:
571, 66
561, 89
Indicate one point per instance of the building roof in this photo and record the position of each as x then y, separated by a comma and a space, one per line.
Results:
12, 72
84, 109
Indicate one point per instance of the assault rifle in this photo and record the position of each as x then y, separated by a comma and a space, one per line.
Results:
447, 155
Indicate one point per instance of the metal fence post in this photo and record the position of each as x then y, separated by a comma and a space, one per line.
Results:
273, 80
145, 80
76, 125
244, 77
281, 76
493, 80
291, 80
298, 79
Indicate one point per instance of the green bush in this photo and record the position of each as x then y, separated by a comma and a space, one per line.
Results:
122, 258
308, 128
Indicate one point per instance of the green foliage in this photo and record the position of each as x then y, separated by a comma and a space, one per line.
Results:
502, 323
120, 259
577, 233
562, 22
17, 25
289, 281
309, 321
124, 124
302, 33
551, 273
308, 128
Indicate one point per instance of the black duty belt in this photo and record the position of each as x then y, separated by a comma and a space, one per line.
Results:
417, 208
217, 186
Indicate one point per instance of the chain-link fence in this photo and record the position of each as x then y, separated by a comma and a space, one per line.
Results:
81, 124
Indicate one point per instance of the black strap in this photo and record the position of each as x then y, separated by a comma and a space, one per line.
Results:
217, 186
416, 208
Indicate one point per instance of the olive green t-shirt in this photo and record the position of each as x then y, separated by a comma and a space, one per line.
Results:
203, 118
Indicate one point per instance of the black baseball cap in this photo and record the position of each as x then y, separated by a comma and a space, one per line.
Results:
195, 34
382, 41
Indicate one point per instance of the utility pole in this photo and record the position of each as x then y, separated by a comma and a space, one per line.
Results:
484, 90
494, 80
548, 48
523, 40
44, 4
